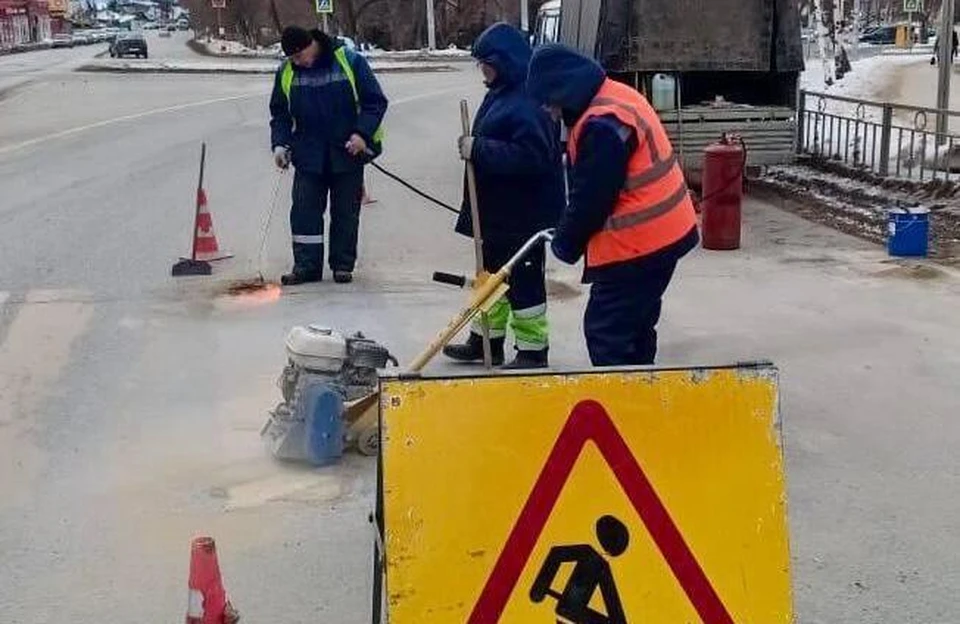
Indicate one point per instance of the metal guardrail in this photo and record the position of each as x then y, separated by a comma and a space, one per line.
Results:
890, 140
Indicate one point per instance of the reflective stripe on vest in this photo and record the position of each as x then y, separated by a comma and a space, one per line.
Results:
654, 209
286, 83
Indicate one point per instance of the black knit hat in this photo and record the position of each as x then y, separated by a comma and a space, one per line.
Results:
295, 39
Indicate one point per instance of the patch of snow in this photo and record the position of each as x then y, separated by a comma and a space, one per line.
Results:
451, 52
226, 48
223, 47
865, 81
851, 131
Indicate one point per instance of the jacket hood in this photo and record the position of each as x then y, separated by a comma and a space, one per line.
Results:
327, 44
561, 76
506, 49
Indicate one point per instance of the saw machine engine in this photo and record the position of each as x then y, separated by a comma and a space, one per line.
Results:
329, 388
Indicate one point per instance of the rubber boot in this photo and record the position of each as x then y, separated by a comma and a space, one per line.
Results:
528, 359
472, 350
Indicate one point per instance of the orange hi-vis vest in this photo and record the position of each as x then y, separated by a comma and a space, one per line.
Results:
654, 209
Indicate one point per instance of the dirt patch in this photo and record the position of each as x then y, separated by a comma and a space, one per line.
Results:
199, 48
248, 287
812, 260
919, 272
857, 202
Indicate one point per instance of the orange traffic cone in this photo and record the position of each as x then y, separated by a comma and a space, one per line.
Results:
207, 601
205, 246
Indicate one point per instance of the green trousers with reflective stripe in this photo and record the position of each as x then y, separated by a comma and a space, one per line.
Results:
530, 327
524, 308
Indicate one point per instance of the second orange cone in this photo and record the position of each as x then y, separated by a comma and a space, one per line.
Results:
207, 601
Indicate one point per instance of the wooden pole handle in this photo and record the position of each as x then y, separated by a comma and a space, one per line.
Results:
477, 233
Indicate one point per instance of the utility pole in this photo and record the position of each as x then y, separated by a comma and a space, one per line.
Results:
431, 27
525, 16
945, 54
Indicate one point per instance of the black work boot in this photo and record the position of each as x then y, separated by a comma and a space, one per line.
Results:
472, 350
342, 277
528, 359
301, 276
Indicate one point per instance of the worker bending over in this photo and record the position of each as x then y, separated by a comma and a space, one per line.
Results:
628, 209
326, 111
516, 153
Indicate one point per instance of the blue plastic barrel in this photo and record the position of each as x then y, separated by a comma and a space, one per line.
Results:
324, 424
908, 232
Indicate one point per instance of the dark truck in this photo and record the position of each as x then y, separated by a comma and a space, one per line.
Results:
707, 66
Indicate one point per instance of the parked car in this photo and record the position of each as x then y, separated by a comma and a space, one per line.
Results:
164, 33
151, 26
81, 38
882, 35
129, 44
183, 25
171, 27
62, 40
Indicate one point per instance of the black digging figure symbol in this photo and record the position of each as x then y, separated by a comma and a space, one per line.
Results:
590, 573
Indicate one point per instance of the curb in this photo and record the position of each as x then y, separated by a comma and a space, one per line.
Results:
156, 69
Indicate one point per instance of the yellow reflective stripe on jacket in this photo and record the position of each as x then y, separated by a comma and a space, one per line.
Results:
286, 83
341, 55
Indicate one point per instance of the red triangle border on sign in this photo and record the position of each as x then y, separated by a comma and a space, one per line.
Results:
589, 421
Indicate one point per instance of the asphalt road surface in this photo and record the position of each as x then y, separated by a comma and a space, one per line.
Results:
130, 403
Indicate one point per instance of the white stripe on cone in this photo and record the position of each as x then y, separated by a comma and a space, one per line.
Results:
195, 604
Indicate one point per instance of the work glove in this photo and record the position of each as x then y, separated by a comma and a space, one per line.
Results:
281, 156
465, 143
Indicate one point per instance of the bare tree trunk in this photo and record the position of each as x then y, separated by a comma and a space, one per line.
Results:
275, 14
825, 42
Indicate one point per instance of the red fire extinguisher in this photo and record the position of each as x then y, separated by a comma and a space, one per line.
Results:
723, 168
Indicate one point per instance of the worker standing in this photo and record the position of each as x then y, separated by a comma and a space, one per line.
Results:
628, 210
326, 111
516, 153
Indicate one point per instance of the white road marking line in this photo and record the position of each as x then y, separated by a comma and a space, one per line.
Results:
109, 122
179, 107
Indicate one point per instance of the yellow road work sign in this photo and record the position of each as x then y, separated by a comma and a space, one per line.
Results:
614, 497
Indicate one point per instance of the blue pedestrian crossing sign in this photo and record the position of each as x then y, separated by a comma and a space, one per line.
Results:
324, 6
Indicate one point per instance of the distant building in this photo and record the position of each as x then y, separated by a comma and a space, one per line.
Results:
23, 22
59, 13
143, 9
